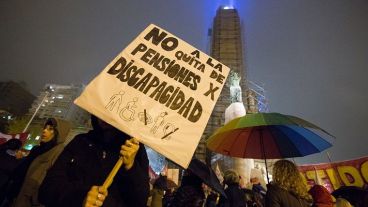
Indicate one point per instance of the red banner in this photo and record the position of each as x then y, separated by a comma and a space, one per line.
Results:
334, 175
5, 137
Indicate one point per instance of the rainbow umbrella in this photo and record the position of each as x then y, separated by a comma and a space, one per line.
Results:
269, 136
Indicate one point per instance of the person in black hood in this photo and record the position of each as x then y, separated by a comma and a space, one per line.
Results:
55, 131
235, 196
49, 139
79, 172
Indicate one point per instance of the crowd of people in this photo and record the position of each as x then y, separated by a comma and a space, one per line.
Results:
74, 175
287, 189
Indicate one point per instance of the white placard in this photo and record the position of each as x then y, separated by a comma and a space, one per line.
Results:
160, 90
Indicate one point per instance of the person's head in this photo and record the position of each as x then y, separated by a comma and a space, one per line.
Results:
341, 202
321, 196
49, 131
287, 176
160, 183
55, 131
189, 178
102, 126
188, 196
107, 134
231, 177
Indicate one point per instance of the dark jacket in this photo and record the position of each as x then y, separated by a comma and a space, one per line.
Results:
278, 197
8, 163
235, 197
36, 172
187, 196
86, 161
17, 179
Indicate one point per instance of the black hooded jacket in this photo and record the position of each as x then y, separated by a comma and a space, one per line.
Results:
279, 197
17, 178
235, 196
86, 161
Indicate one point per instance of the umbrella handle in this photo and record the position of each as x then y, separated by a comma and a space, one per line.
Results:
113, 172
264, 153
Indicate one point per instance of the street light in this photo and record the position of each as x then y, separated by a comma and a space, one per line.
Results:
48, 89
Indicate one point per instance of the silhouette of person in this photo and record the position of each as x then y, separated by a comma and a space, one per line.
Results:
127, 113
159, 120
115, 99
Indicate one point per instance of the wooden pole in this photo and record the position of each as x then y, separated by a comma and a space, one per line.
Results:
112, 174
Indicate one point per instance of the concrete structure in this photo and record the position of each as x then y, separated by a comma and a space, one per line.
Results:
227, 47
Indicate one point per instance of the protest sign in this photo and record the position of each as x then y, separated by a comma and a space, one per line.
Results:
160, 90
337, 174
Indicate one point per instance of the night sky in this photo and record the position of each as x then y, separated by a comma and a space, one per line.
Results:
311, 56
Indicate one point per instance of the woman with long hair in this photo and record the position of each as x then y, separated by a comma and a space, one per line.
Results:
287, 188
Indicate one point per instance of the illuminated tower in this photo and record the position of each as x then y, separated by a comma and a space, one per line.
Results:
227, 47
225, 39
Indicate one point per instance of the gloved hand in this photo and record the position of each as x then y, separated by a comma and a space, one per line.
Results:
95, 196
128, 152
